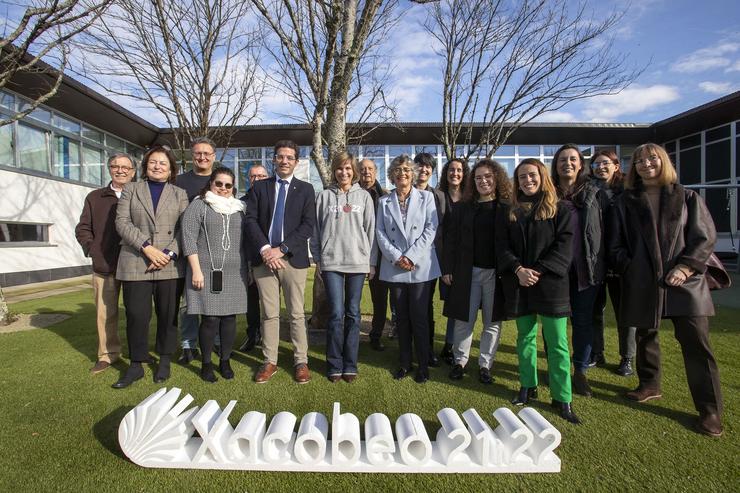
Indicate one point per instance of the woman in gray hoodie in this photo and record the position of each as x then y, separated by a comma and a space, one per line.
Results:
343, 247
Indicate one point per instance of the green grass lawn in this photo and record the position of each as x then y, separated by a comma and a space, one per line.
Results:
59, 424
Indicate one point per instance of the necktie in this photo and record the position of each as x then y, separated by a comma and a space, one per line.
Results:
277, 220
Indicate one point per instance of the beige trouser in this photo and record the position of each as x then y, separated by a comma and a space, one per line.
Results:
293, 283
106, 290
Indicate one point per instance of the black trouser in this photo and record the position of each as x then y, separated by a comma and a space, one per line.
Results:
626, 334
379, 296
430, 315
137, 298
225, 327
412, 325
253, 311
702, 373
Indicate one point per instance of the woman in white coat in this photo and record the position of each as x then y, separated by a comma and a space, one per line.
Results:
406, 224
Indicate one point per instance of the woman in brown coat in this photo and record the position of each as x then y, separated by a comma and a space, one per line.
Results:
661, 237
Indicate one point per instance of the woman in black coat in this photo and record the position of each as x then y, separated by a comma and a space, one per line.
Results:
661, 236
606, 172
587, 203
469, 267
534, 247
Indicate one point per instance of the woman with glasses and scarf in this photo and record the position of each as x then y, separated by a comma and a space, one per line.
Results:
216, 286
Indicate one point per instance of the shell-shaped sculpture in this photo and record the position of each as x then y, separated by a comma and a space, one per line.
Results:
157, 429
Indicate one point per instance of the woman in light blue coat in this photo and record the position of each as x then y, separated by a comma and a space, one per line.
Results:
406, 223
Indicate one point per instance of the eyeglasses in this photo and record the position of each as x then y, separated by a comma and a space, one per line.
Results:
283, 157
203, 154
599, 164
220, 184
486, 177
405, 170
650, 159
115, 167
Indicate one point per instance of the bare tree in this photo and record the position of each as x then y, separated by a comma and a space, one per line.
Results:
327, 60
506, 63
195, 61
41, 31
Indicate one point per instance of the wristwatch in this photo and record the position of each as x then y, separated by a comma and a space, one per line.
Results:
284, 249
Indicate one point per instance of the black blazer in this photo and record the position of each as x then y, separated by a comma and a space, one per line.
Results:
298, 222
547, 247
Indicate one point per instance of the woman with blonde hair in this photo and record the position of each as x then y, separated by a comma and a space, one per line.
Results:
661, 235
343, 247
534, 246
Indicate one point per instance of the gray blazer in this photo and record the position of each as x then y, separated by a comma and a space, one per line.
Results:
415, 239
136, 223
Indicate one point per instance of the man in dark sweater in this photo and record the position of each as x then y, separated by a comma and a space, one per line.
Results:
204, 155
96, 233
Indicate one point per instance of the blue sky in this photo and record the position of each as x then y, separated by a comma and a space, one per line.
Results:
694, 47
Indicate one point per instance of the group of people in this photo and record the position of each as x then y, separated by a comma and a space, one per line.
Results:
543, 246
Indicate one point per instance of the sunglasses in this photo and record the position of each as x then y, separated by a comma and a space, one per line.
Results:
220, 184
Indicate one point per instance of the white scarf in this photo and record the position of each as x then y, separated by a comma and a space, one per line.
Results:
224, 205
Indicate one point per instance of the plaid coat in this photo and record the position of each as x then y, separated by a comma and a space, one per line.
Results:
137, 223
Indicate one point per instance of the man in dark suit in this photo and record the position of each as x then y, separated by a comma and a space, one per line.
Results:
254, 338
281, 213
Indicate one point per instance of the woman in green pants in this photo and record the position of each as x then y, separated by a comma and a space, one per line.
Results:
534, 250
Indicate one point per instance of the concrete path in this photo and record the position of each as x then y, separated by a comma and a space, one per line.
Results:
34, 291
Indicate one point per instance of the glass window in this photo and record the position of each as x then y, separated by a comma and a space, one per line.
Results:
227, 158
377, 154
41, 115
7, 100
670, 146
394, 151
431, 149
7, 156
354, 150
66, 158
718, 133
718, 161
460, 151
253, 153
65, 124
691, 141
530, 151
504, 151
315, 178
550, 150
508, 164
243, 178
33, 151
92, 134
690, 166
94, 162
115, 143
20, 232
587, 151
717, 203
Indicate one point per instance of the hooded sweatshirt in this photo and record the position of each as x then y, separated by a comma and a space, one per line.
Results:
344, 236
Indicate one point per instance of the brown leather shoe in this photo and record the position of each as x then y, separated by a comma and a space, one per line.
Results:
709, 424
265, 372
349, 377
643, 394
302, 375
100, 366
334, 378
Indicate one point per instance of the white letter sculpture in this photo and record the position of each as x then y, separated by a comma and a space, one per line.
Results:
161, 432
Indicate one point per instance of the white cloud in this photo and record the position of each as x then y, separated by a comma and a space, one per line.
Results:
717, 87
713, 57
556, 117
735, 67
631, 101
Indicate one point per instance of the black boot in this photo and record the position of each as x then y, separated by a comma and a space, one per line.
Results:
566, 412
206, 372
447, 354
524, 395
163, 370
224, 367
580, 384
133, 373
625, 368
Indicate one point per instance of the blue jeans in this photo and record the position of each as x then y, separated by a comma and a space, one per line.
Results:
343, 291
582, 320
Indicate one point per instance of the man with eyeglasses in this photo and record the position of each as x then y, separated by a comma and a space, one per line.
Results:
96, 233
204, 155
254, 338
281, 213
